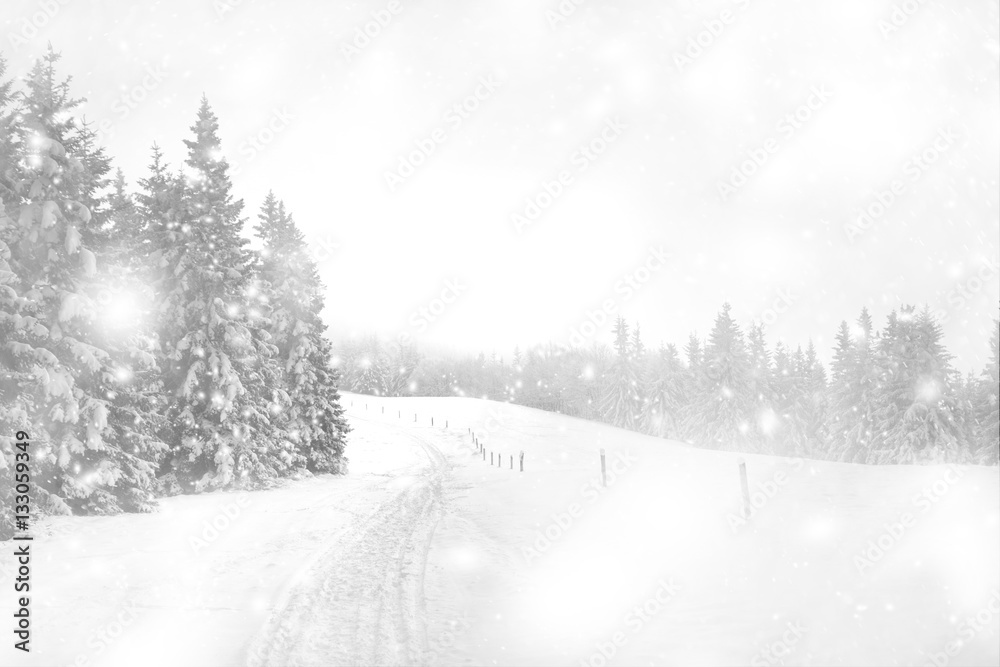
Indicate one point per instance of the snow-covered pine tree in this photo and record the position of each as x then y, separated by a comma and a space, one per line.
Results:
787, 385
841, 393
130, 376
11, 133
349, 355
13, 417
159, 199
122, 293
856, 381
988, 406
92, 189
761, 390
316, 422
690, 385
814, 404
588, 387
722, 409
664, 393
65, 373
694, 354
799, 402
642, 369
371, 368
223, 384
620, 405
916, 414
127, 245
636, 347
399, 362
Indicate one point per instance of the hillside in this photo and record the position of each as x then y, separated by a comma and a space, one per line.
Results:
424, 554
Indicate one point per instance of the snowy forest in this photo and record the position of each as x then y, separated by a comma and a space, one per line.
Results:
152, 352
890, 396
144, 347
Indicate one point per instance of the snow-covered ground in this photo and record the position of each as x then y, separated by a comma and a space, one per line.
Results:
424, 554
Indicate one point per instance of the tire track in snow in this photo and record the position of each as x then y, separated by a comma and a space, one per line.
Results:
362, 601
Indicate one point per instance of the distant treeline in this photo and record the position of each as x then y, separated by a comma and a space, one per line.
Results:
890, 395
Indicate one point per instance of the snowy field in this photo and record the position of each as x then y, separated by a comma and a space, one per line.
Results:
424, 554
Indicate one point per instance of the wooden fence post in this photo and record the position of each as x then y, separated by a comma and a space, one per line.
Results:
604, 474
432, 421
746, 489
491, 458
484, 453
414, 417
383, 409
522, 460
511, 461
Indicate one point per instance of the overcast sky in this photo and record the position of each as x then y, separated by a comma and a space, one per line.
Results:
839, 103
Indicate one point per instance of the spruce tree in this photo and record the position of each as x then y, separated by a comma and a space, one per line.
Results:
67, 373
814, 404
664, 394
91, 191
643, 374
158, 202
856, 383
315, 418
591, 380
691, 383
761, 389
722, 409
788, 394
916, 414
842, 390
226, 402
127, 228
11, 132
13, 416
620, 405
988, 435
